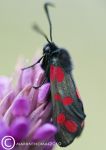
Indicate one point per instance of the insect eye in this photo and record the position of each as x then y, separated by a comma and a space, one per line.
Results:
47, 49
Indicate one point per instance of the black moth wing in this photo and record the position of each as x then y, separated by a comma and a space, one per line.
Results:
68, 113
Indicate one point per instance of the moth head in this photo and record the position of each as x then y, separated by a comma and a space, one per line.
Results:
49, 48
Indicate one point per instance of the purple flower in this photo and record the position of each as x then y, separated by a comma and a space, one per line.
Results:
4, 86
25, 112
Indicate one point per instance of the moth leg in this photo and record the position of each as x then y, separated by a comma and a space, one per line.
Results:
40, 85
33, 64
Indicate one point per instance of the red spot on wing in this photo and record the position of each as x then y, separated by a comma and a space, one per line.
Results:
67, 101
59, 74
61, 118
56, 73
57, 97
52, 72
71, 126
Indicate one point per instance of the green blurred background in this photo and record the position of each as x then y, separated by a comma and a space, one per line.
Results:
79, 26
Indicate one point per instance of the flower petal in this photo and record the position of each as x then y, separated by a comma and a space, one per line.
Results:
24, 93
39, 75
34, 116
27, 77
19, 128
4, 86
3, 132
6, 102
3, 129
21, 107
46, 113
45, 132
43, 92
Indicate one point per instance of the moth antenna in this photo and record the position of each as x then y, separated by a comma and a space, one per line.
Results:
48, 17
36, 27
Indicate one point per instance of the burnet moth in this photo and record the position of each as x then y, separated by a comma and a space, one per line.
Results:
68, 112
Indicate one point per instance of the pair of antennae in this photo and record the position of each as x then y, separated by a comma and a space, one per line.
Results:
36, 27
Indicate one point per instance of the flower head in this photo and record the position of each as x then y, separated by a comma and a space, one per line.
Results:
25, 112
